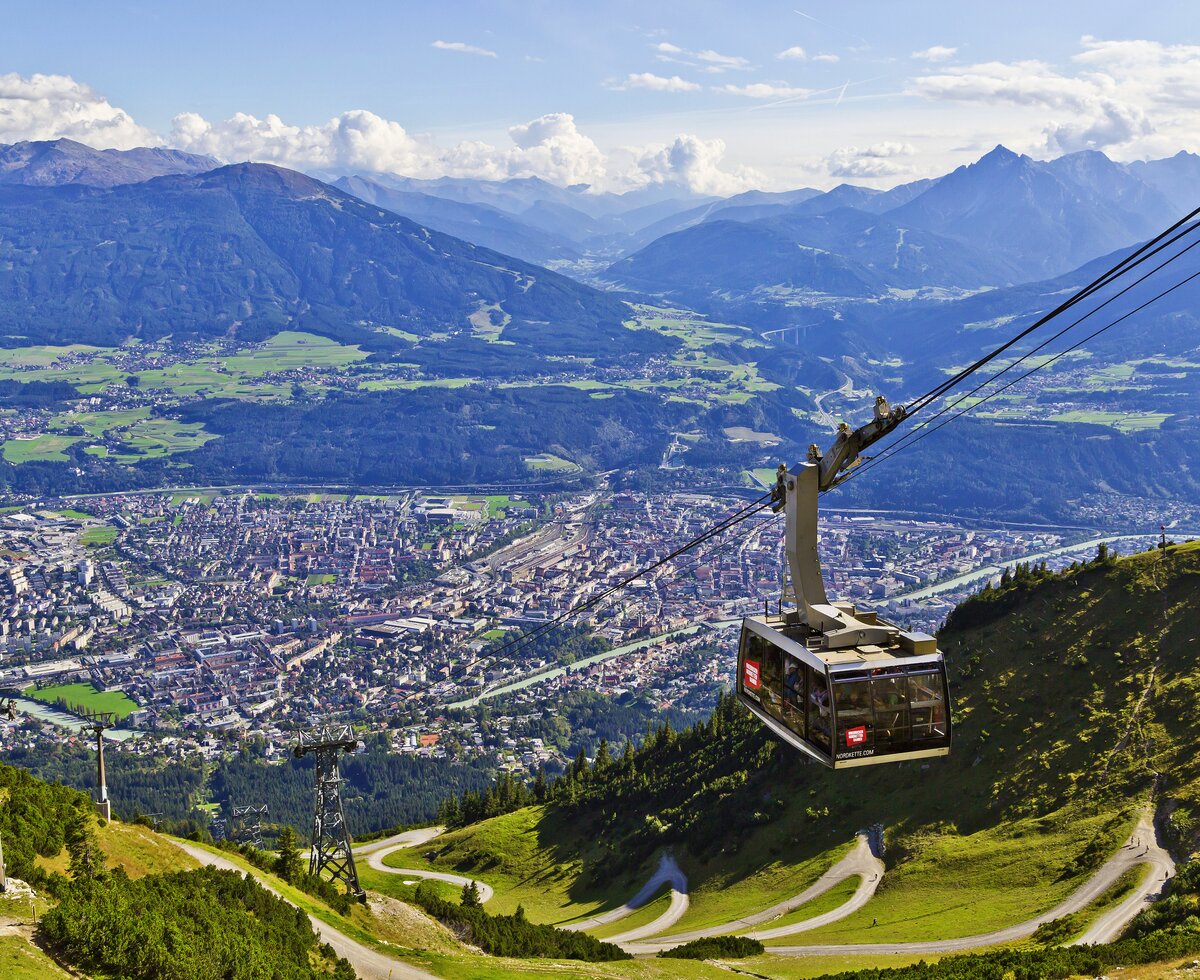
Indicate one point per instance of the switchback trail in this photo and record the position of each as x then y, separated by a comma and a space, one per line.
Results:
368, 963
376, 851
1147, 852
861, 862
668, 872
1109, 925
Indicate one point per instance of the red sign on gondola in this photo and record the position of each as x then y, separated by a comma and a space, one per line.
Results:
856, 736
751, 674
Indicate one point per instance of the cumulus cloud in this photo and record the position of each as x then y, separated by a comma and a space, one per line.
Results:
1092, 109
1129, 98
43, 107
765, 90
831, 58
665, 47
656, 83
463, 48
794, 53
877, 160
693, 163
938, 52
551, 146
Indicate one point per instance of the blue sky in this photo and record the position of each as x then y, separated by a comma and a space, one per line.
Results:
717, 95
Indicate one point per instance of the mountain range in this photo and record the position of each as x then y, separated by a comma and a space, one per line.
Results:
48, 163
1003, 220
253, 249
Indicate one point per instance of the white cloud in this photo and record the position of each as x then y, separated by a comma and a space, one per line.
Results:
44, 107
721, 62
551, 147
831, 58
939, 52
656, 83
877, 160
693, 163
765, 90
463, 48
711, 62
1092, 109
794, 53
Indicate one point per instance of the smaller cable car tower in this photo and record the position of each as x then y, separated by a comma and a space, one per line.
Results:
838, 683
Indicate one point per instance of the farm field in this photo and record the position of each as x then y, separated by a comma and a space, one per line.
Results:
40, 449
550, 463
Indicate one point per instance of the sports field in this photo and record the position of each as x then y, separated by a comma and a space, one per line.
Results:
84, 695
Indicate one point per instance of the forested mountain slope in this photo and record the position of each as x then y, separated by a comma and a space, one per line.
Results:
250, 250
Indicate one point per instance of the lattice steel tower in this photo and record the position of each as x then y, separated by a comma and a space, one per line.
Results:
249, 818
330, 835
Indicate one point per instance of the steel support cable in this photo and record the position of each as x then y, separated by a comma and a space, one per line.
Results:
1095, 333
719, 528
912, 434
1130, 261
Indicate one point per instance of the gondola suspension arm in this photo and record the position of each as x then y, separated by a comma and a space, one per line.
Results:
796, 493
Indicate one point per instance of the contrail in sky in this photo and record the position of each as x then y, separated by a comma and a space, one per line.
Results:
857, 37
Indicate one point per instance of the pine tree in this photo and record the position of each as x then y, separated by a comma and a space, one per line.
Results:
539, 785
287, 864
603, 757
87, 860
470, 896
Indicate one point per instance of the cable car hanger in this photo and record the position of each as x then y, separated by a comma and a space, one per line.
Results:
841, 685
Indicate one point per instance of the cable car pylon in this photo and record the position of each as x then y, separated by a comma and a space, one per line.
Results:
330, 835
838, 683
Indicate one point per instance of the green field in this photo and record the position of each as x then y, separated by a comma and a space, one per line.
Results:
321, 579
84, 695
40, 449
152, 438
95, 537
292, 349
550, 463
1121, 421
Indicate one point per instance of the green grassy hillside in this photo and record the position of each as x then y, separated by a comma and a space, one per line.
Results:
1075, 697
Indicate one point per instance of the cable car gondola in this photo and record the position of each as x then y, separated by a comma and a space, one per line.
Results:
841, 685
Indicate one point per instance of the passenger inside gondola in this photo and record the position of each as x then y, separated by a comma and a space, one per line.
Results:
793, 696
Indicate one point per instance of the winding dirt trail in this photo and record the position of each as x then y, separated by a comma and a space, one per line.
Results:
861, 862
1148, 851
368, 963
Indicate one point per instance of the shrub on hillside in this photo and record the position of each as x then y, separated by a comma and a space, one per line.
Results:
189, 924
716, 947
514, 935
